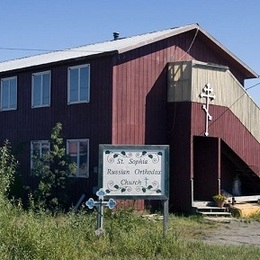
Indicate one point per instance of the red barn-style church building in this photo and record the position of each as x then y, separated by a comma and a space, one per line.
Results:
178, 87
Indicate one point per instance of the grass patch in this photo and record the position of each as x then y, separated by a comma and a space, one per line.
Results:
30, 235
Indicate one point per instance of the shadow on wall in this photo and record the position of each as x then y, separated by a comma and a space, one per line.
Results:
156, 116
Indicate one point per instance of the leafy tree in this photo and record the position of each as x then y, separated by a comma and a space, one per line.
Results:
8, 166
53, 169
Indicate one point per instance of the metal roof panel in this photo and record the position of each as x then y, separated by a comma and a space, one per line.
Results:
120, 45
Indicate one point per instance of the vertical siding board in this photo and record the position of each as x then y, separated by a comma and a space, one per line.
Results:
144, 68
127, 96
136, 96
143, 78
114, 97
139, 105
132, 89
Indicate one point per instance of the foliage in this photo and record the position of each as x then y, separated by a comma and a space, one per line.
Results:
8, 166
53, 169
219, 197
38, 235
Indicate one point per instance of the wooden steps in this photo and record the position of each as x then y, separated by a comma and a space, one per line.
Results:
211, 212
243, 206
215, 214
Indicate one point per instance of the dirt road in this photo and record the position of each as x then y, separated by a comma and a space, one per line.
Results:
237, 232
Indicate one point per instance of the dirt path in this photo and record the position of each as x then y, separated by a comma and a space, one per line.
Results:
237, 232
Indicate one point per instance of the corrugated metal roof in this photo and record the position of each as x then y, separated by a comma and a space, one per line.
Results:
120, 46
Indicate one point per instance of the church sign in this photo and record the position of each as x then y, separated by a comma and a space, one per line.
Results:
134, 171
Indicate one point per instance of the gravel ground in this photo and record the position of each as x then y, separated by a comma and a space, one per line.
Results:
237, 232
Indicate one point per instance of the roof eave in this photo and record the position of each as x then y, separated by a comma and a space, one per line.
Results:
43, 64
249, 73
176, 31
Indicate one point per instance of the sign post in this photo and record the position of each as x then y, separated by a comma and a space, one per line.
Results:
135, 172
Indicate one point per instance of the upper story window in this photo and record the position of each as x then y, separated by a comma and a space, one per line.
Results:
41, 89
78, 84
8, 94
78, 149
38, 149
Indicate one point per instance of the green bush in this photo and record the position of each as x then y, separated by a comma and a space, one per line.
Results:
53, 170
8, 166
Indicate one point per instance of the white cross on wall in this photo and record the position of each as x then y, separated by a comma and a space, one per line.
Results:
207, 92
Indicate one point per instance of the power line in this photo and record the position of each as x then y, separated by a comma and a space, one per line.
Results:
76, 49
253, 86
191, 44
24, 49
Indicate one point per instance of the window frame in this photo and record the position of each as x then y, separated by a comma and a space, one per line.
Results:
41, 142
78, 175
78, 101
9, 94
42, 73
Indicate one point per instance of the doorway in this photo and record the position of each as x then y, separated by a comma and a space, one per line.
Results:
206, 167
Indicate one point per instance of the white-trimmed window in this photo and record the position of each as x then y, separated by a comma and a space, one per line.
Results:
78, 149
9, 94
38, 149
41, 89
78, 84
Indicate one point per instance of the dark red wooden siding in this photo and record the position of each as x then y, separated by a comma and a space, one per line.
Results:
186, 121
91, 120
128, 105
139, 86
140, 110
227, 126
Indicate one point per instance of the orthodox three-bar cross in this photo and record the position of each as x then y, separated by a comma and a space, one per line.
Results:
100, 204
207, 92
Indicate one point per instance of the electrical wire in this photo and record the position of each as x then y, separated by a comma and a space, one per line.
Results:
253, 86
76, 49
24, 49
192, 42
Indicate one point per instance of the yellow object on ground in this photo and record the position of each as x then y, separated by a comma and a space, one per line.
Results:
245, 209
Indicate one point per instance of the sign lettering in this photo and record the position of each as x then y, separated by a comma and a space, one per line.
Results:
134, 170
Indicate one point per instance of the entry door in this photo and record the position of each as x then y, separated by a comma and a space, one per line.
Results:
206, 168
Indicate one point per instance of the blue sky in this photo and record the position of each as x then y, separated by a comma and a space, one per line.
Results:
28, 25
